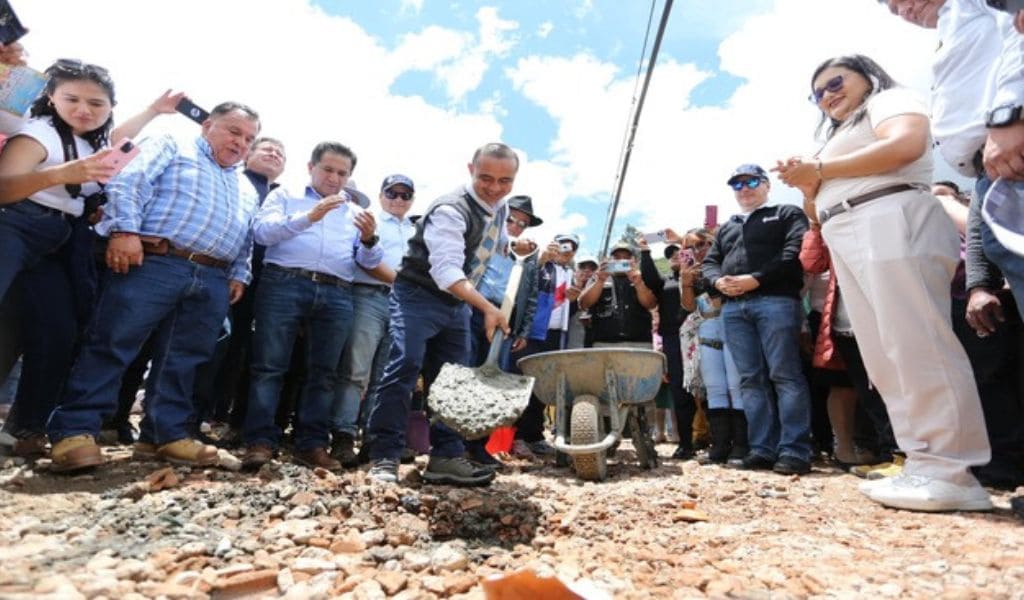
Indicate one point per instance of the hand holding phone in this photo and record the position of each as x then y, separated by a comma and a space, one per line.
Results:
192, 111
657, 236
11, 29
618, 267
121, 154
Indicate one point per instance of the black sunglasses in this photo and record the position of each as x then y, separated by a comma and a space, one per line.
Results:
392, 194
750, 183
832, 85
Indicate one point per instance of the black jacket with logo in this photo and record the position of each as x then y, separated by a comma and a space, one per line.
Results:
766, 245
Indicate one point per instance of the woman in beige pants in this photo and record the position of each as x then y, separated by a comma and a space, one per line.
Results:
894, 251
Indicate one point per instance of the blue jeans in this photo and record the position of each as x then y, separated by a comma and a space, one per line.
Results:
184, 304
285, 302
422, 327
28, 232
369, 329
718, 370
763, 334
1011, 264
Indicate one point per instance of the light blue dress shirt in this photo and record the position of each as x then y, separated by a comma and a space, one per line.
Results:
330, 246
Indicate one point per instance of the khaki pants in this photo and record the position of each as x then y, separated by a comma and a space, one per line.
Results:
894, 259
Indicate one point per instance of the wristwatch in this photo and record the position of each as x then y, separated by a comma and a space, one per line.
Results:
370, 243
1003, 116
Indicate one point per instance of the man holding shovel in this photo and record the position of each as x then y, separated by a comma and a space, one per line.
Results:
429, 307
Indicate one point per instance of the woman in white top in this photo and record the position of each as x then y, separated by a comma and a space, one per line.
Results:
894, 251
48, 169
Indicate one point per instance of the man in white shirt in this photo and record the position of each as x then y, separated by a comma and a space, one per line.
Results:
369, 341
314, 241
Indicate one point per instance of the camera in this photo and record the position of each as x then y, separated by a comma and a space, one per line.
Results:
565, 247
1010, 6
618, 267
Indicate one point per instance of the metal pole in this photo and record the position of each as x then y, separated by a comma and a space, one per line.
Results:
621, 178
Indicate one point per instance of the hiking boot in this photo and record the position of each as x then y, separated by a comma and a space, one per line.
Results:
256, 456
343, 449
188, 452
791, 465
75, 453
456, 471
384, 470
316, 457
32, 446
756, 462
683, 453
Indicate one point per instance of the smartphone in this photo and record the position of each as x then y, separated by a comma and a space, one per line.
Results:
11, 29
710, 216
124, 152
686, 255
657, 236
190, 110
616, 267
1010, 6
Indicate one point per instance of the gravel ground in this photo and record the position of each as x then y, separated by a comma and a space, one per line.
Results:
143, 530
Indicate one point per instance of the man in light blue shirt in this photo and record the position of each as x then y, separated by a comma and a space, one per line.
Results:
367, 345
314, 243
179, 222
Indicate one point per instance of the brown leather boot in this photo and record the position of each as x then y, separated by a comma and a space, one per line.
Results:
188, 452
256, 456
317, 457
75, 453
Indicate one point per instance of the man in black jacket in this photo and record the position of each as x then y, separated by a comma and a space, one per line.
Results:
754, 262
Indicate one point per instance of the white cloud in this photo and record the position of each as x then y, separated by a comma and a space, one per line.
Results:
684, 153
465, 72
545, 29
310, 75
410, 6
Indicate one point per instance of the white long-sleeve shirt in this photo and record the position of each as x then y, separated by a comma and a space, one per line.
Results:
979, 65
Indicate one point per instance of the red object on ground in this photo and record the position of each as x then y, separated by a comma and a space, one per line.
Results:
501, 440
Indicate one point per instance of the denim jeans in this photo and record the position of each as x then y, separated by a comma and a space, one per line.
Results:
284, 303
185, 304
763, 334
718, 370
425, 333
369, 329
28, 232
1011, 264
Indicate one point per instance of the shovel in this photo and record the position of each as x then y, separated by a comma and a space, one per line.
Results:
475, 402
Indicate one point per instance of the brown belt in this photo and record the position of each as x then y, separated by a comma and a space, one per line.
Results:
827, 213
161, 247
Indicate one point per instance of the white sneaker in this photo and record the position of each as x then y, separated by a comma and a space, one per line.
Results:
914, 492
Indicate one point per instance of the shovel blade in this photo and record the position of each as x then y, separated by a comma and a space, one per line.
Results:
475, 401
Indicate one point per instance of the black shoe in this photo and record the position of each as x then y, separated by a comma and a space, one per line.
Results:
1000, 475
756, 462
343, 449
1017, 506
791, 465
683, 453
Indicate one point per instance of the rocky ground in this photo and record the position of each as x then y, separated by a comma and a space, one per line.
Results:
142, 530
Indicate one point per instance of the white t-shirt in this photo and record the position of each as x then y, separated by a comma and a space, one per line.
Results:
884, 105
42, 130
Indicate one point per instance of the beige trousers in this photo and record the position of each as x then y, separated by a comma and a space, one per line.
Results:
894, 259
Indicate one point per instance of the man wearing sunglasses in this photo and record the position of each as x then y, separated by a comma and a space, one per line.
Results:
430, 308
367, 346
754, 262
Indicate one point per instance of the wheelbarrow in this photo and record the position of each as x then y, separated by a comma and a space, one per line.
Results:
589, 384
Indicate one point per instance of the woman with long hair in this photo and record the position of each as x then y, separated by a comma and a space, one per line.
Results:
50, 174
894, 251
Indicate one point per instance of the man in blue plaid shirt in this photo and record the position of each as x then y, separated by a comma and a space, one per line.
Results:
179, 220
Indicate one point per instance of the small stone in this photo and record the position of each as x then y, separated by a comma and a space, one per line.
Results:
302, 498
447, 557
348, 543
285, 580
223, 547
299, 512
369, 590
415, 561
392, 582
433, 583
286, 492
313, 565
192, 549
458, 583
252, 582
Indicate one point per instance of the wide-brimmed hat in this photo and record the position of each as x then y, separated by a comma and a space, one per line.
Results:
524, 204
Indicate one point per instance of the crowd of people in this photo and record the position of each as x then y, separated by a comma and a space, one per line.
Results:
879, 323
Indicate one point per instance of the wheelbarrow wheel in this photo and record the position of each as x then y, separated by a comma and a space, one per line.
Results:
588, 428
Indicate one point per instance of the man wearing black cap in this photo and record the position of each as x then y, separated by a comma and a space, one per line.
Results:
369, 341
754, 262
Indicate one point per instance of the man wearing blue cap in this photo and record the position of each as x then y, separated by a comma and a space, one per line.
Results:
368, 343
755, 263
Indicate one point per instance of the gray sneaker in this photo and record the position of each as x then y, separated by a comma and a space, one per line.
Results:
456, 471
384, 470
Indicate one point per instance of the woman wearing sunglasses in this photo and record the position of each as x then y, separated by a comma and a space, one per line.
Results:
49, 173
894, 251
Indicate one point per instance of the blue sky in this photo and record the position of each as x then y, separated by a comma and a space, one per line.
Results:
413, 86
